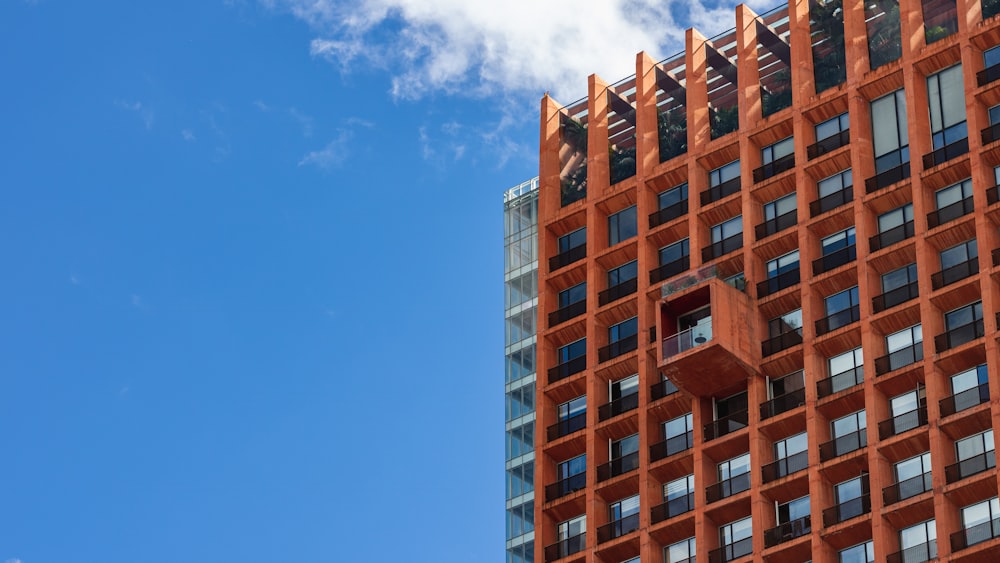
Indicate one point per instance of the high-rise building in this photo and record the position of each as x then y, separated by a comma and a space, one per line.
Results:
520, 304
731, 332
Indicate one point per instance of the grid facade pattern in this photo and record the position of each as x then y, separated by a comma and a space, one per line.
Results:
520, 303
793, 358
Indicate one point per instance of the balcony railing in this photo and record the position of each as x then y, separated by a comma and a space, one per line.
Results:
891, 236
783, 341
618, 528
715, 193
616, 292
618, 406
727, 488
671, 446
774, 168
669, 269
787, 531
668, 213
779, 223
726, 425
837, 320
975, 534
844, 444
955, 273
721, 248
565, 486
902, 423
959, 335
847, 510
987, 75
828, 144
970, 466
672, 507
894, 297
777, 283
834, 259
617, 348
907, 488
839, 382
732, 551
946, 153
887, 178
965, 399
618, 466
567, 368
831, 201
687, 339
567, 426
782, 403
662, 389
991, 133
915, 553
568, 312
785, 466
566, 547
899, 358
568, 257
949, 212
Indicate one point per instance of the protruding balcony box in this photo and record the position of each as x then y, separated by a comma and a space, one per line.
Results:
715, 355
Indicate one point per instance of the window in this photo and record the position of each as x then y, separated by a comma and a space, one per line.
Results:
959, 254
861, 553
520, 363
846, 371
626, 272
851, 497
673, 196
678, 435
994, 115
783, 264
572, 351
521, 289
898, 286
977, 445
575, 294
724, 174
674, 253
904, 347
734, 476
946, 98
778, 150
520, 440
838, 241
918, 543
621, 226
521, 326
571, 467
572, 416
835, 184
520, 401
624, 387
624, 457
623, 330
789, 322
969, 389
842, 309
678, 495
520, 519
728, 229
736, 539
894, 226
892, 147
849, 433
680, 552
980, 521
793, 510
991, 57
625, 446
953, 194
786, 384
571, 535
913, 476
626, 514
905, 410
833, 126
779, 207
520, 480
790, 455
964, 316
573, 240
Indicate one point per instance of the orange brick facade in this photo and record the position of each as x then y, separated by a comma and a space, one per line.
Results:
742, 352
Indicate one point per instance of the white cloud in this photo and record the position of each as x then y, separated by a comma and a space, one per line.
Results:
188, 135
305, 121
333, 155
517, 47
142, 111
13, 560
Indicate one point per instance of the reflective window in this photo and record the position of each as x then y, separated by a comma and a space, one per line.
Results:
572, 527
730, 228
861, 553
895, 218
981, 512
724, 173
841, 301
991, 56
573, 408
838, 241
780, 149
793, 510
788, 322
892, 147
848, 424
899, 278
913, 467
735, 531
673, 196
904, 339
953, 194
625, 446
678, 426
682, 551
849, 490
779, 207
963, 315
946, 99
624, 329
833, 126
621, 226
791, 446
734, 467
974, 445
572, 350
626, 272
674, 252
919, 534
907, 402
623, 508
835, 183
783, 264
679, 488
571, 467
959, 254
572, 295
624, 387
969, 379
572, 240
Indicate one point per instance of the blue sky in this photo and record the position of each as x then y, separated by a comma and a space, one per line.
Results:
252, 302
